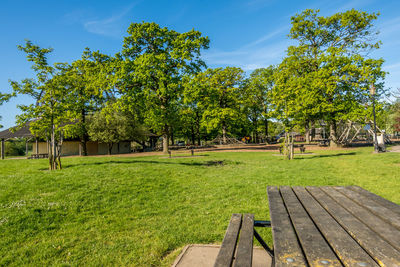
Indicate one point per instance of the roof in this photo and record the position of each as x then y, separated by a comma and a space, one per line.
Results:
22, 132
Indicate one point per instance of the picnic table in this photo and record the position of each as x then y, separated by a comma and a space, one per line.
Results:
319, 226
39, 156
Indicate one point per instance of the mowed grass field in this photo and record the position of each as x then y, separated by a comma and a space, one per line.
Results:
140, 211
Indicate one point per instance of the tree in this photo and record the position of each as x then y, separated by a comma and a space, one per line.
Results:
219, 93
4, 98
327, 75
153, 61
190, 121
90, 86
111, 127
49, 114
258, 88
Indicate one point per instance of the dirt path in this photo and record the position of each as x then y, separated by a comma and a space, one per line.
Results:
395, 149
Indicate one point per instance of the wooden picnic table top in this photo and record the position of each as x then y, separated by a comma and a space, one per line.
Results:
333, 226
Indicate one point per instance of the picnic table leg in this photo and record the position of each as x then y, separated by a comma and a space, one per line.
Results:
263, 244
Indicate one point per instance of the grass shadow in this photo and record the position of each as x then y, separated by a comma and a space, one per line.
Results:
327, 156
205, 163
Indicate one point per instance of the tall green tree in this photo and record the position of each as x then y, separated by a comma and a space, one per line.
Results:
219, 93
327, 75
152, 63
90, 86
258, 102
49, 114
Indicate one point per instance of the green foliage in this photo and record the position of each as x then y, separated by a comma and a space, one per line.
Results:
152, 62
15, 148
110, 126
219, 93
4, 98
48, 90
327, 76
257, 100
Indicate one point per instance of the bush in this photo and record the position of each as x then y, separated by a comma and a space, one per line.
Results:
15, 148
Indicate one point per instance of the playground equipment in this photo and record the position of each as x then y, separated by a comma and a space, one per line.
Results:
352, 131
219, 140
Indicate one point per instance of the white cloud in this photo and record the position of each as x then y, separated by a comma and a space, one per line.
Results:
110, 26
248, 57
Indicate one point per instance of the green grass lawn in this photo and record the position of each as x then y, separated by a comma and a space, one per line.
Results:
140, 211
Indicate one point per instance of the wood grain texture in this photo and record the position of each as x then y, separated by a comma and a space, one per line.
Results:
345, 247
380, 250
314, 245
287, 250
379, 226
244, 254
378, 199
383, 212
227, 250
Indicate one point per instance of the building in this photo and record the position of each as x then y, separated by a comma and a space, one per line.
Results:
70, 147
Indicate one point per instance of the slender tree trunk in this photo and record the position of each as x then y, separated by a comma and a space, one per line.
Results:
53, 148
307, 130
84, 135
26, 146
198, 128
110, 146
254, 130
171, 134
266, 127
333, 134
193, 135
224, 132
312, 130
165, 139
37, 145
50, 153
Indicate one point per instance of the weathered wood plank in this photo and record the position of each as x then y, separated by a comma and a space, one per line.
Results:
244, 254
227, 250
381, 251
382, 228
315, 247
384, 202
384, 213
287, 250
345, 247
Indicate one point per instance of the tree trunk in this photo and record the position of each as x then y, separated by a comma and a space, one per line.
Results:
193, 135
84, 136
110, 146
307, 130
198, 128
285, 145
165, 143
312, 130
2, 148
266, 128
52, 156
333, 134
49, 151
171, 134
26, 146
224, 132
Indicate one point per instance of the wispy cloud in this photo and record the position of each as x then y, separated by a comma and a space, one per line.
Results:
248, 57
110, 26
268, 36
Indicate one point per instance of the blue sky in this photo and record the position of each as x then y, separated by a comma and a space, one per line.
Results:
245, 33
